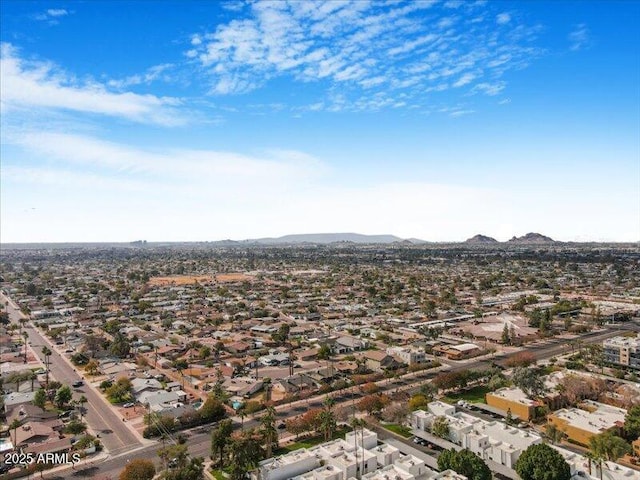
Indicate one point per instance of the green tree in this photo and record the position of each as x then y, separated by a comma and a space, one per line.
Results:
63, 396
327, 419
40, 398
505, 335
220, 440
608, 446
120, 346
246, 452
529, 380
325, 352
92, 367
82, 400
632, 423
268, 430
75, 427
120, 391
554, 434
212, 410
138, 469
440, 427
464, 462
15, 424
418, 402
193, 469
46, 351
542, 462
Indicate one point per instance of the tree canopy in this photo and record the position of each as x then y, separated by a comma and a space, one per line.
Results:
138, 469
608, 446
529, 380
464, 462
632, 422
541, 462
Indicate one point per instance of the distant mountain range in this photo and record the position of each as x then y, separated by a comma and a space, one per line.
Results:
324, 238
357, 238
525, 239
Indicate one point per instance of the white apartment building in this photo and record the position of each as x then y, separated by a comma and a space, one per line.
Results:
348, 459
494, 441
579, 465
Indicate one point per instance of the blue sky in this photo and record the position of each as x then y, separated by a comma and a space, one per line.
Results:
206, 120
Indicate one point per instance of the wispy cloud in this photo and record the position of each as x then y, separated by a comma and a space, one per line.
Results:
398, 48
503, 18
180, 166
151, 75
31, 85
52, 15
579, 37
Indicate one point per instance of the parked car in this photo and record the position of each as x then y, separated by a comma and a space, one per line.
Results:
128, 405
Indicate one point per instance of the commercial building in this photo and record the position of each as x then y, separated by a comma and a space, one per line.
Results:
623, 351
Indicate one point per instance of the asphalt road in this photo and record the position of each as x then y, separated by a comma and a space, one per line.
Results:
115, 435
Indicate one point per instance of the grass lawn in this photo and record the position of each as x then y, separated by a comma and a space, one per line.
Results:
310, 442
399, 429
218, 475
473, 395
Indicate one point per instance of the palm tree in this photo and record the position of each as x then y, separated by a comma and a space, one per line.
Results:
25, 335
266, 383
14, 426
355, 424
268, 430
82, 400
327, 419
47, 353
32, 377
242, 412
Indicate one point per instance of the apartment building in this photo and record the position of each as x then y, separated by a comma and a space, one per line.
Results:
583, 468
514, 400
580, 424
357, 456
623, 351
494, 441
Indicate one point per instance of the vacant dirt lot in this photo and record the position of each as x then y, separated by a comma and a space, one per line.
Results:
179, 280
232, 277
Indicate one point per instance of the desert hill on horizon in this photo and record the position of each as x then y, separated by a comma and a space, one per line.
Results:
531, 238
358, 238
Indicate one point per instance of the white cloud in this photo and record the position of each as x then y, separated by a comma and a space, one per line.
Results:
40, 85
503, 18
183, 166
491, 89
52, 15
361, 45
579, 38
464, 80
152, 74
57, 12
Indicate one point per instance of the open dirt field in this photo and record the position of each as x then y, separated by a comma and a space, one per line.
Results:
232, 277
179, 280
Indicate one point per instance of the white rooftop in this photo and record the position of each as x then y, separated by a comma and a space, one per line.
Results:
515, 395
602, 418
